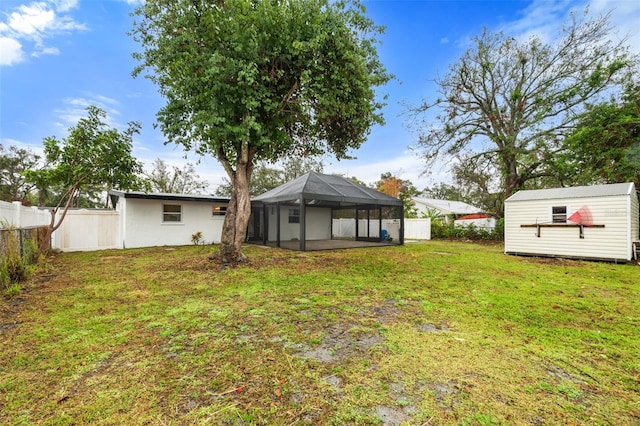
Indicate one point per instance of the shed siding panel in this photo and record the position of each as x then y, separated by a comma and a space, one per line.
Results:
635, 217
604, 243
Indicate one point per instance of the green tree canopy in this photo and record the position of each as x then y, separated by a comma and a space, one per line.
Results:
92, 155
13, 163
605, 147
249, 80
512, 102
174, 180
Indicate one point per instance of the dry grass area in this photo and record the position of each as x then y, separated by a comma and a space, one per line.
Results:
437, 333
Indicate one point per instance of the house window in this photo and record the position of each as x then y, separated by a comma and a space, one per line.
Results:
559, 214
218, 211
294, 215
171, 213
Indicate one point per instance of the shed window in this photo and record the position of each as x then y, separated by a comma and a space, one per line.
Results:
294, 215
171, 213
218, 211
559, 214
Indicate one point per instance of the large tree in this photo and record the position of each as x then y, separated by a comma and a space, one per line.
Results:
250, 80
605, 147
400, 188
92, 155
173, 179
14, 161
512, 102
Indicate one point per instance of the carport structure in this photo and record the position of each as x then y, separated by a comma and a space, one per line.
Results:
319, 212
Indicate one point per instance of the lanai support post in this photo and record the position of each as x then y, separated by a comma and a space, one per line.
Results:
303, 226
402, 225
265, 224
380, 222
278, 223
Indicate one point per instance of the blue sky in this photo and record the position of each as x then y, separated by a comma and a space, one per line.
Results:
58, 56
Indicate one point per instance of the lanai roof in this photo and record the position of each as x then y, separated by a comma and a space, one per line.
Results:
327, 189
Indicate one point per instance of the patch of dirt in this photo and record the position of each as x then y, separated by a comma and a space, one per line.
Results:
9, 326
387, 312
432, 328
559, 373
334, 381
557, 261
391, 416
339, 344
446, 393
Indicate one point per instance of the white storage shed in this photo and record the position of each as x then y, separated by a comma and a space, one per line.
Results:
599, 222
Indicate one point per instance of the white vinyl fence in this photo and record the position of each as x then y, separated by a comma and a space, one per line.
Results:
417, 229
414, 229
88, 230
488, 224
15, 215
81, 230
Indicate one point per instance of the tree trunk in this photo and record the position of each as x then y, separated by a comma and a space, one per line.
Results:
234, 229
512, 181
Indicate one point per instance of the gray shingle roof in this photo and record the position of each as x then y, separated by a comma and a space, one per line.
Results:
574, 192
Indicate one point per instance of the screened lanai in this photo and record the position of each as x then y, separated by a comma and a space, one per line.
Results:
320, 212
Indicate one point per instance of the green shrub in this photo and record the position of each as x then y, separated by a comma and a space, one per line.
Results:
16, 263
443, 230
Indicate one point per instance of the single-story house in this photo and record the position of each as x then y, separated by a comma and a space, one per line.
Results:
156, 219
305, 214
599, 222
443, 208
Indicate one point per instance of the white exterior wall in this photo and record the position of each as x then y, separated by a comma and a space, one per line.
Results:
317, 225
142, 224
610, 242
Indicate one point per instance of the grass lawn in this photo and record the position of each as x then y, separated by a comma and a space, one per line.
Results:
435, 333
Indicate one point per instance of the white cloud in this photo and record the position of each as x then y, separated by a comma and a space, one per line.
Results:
407, 166
64, 5
46, 51
544, 19
37, 149
73, 109
33, 24
10, 51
